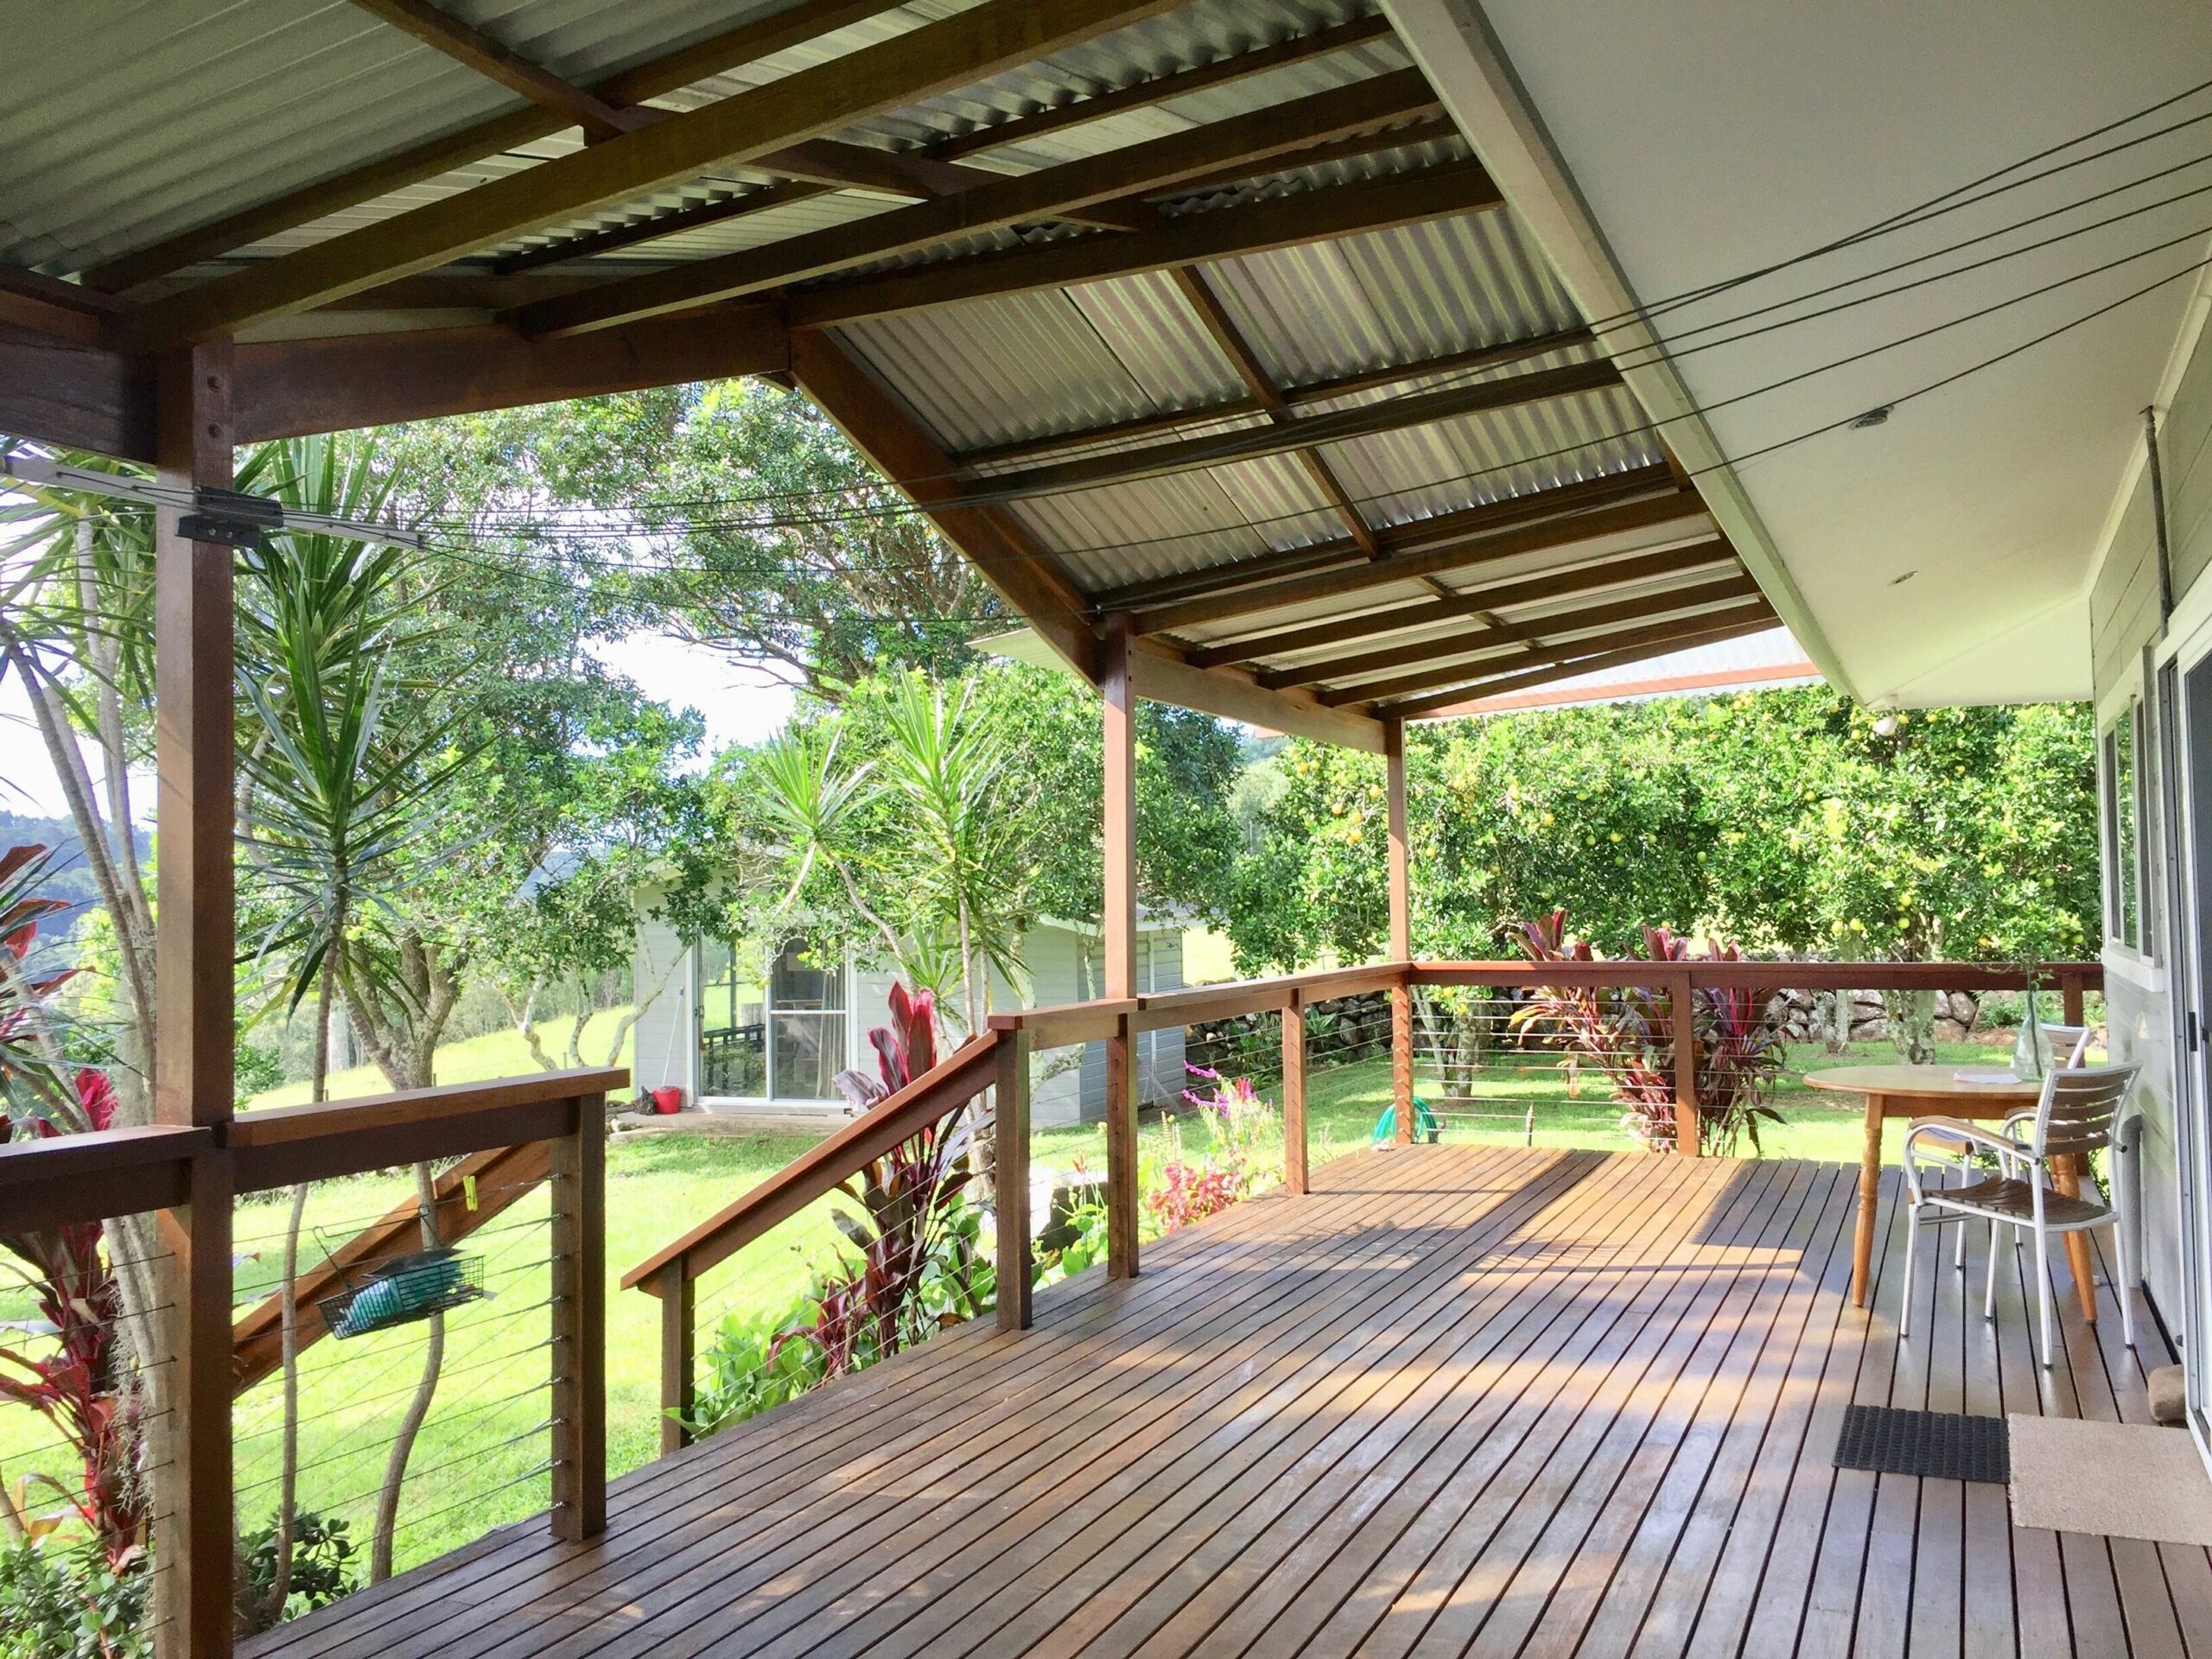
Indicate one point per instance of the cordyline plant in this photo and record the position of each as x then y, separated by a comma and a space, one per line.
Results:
1625, 1034
83, 1386
920, 1266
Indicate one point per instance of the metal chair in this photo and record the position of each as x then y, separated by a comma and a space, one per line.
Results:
2069, 1048
2075, 1116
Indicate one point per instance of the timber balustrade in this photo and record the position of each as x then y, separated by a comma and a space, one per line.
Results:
509, 1135
999, 1060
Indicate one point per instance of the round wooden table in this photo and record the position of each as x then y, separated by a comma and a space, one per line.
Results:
1936, 1091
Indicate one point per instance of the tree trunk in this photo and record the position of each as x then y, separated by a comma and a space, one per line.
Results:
403, 1444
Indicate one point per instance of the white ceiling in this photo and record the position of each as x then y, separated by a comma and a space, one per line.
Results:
1710, 138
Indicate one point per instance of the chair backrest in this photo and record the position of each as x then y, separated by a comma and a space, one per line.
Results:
2078, 1106
2069, 1045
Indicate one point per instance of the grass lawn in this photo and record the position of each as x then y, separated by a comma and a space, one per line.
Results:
473, 1060
480, 1458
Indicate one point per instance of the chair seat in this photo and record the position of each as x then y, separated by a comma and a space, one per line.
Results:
2011, 1199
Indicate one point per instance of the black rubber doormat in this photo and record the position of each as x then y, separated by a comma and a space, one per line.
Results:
1941, 1445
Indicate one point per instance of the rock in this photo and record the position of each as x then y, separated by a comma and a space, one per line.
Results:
2169, 1398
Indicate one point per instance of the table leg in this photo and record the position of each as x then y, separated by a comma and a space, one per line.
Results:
2066, 1175
1870, 1199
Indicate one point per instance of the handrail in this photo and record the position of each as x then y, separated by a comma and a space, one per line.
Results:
1760, 975
971, 1070
73, 1178
285, 1145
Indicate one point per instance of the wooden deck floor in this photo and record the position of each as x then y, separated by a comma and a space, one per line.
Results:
1459, 1400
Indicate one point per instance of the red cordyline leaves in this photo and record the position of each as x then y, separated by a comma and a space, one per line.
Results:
877, 1307
82, 1388
1626, 1035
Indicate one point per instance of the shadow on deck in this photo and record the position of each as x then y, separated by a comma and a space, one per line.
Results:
1482, 1400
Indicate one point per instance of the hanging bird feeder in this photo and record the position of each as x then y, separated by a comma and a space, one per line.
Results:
403, 1290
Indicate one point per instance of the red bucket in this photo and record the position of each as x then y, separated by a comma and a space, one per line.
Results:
668, 1101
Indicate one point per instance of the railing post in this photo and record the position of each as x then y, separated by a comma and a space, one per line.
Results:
678, 1296
1010, 1179
579, 1325
1293, 1093
2070, 1000
1681, 1007
1402, 1058
193, 697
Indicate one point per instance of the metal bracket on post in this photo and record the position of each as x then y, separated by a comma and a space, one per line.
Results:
230, 518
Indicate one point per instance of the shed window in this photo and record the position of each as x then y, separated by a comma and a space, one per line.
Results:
785, 1040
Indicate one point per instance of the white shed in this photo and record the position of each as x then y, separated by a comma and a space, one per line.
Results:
733, 1043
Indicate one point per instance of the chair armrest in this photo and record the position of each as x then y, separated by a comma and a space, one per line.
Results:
1958, 1129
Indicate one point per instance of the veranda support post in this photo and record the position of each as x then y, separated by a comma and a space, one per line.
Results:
194, 1017
1117, 687
1401, 934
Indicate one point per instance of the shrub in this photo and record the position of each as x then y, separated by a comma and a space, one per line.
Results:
63, 1600
1188, 1192
322, 1566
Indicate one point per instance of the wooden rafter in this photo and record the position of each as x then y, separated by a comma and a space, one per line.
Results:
835, 164
1368, 625
1502, 355
1567, 668
1289, 433
1179, 83
1053, 192
1540, 634
1007, 555
1458, 525
1314, 215
1651, 512
467, 44
967, 47
1016, 130
747, 42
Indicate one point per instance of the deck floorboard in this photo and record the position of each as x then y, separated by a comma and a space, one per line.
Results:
1458, 1400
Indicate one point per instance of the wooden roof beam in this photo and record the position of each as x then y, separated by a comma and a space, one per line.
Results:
1048, 192
1213, 581
1307, 216
967, 47
1502, 355
1009, 558
1567, 668
466, 44
746, 44
1429, 659
1292, 433
1365, 626
1651, 512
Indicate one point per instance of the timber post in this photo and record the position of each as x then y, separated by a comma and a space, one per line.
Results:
1010, 1178
579, 1325
1401, 933
1294, 1150
1117, 686
195, 1020
678, 1293
1682, 1011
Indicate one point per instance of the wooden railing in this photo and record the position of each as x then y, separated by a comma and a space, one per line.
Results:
999, 1060
672, 1272
523, 1129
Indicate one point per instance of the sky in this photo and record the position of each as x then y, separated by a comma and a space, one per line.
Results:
737, 708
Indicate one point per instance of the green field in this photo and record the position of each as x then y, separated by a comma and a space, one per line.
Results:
480, 1458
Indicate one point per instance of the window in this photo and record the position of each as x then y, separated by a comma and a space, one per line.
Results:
2123, 816
783, 1042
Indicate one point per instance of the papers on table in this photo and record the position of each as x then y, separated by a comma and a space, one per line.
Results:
1991, 1079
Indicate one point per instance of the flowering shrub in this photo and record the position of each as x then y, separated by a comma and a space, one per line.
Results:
1188, 1193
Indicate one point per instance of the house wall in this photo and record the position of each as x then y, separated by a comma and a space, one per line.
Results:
2125, 627
1065, 966
666, 1049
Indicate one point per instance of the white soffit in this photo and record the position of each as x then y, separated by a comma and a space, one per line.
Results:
1663, 149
